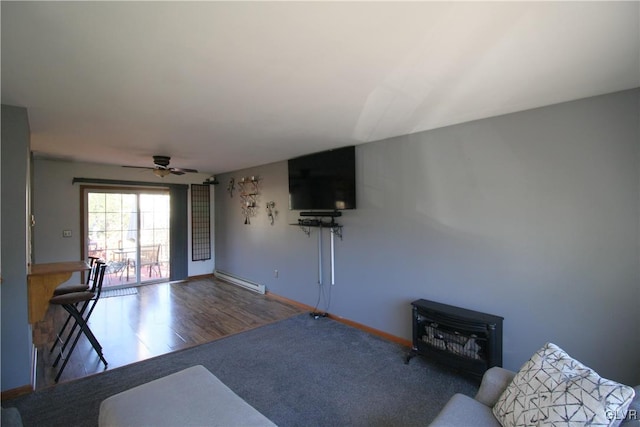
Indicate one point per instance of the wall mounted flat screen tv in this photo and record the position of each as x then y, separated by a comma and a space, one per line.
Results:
323, 181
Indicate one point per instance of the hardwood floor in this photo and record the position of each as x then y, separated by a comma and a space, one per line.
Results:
160, 319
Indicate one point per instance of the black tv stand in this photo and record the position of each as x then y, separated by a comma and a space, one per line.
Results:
319, 214
309, 219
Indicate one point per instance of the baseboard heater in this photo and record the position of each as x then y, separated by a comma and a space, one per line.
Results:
247, 284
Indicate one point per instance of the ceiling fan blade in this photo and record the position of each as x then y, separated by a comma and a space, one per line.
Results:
161, 167
138, 167
183, 170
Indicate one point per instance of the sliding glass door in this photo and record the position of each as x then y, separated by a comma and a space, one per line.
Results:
129, 230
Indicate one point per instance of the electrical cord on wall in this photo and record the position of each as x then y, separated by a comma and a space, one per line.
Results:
322, 294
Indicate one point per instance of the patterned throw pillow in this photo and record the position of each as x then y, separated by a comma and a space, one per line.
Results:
555, 390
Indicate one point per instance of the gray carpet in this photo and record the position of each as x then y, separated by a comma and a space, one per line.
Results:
298, 372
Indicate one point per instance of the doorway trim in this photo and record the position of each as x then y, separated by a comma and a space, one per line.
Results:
178, 227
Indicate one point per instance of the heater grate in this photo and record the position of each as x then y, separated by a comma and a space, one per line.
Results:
462, 339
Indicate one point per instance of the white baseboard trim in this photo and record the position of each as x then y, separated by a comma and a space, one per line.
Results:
247, 284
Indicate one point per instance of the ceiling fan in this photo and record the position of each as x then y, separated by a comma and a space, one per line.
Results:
161, 167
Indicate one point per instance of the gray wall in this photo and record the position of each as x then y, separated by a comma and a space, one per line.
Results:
532, 216
16, 333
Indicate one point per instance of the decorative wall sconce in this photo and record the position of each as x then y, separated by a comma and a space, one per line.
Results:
231, 187
271, 213
211, 181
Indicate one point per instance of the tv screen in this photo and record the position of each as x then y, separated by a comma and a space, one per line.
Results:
322, 181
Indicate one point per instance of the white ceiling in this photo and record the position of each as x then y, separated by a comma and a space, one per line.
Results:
221, 86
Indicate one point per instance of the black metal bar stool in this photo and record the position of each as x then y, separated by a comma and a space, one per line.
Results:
80, 305
66, 288
89, 285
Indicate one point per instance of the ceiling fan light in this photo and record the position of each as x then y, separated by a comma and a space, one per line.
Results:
161, 172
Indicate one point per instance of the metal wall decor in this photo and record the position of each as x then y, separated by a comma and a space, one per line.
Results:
271, 212
231, 186
249, 196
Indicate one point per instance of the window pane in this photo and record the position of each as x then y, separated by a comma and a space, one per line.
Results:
96, 202
114, 202
113, 221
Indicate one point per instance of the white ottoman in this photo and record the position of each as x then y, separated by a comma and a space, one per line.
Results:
192, 397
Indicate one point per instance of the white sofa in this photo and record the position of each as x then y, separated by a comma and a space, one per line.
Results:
462, 410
